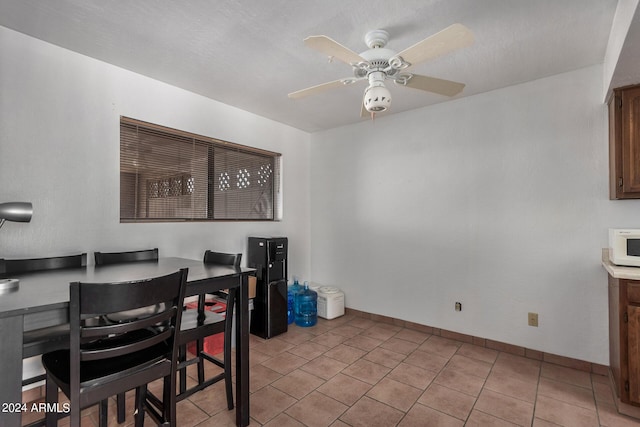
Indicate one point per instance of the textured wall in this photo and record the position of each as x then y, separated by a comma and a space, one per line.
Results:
498, 201
59, 149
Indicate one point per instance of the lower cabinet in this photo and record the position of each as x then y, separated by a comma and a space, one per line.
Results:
624, 338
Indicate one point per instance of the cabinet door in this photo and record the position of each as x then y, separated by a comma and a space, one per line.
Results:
634, 352
631, 140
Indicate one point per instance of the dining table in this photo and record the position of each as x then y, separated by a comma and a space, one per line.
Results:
41, 300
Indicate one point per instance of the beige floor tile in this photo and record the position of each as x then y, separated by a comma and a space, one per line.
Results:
329, 339
465, 383
298, 383
421, 416
317, 410
283, 420
371, 413
344, 389
399, 345
346, 330
609, 417
564, 414
567, 375
345, 353
443, 347
363, 343
512, 386
308, 350
395, 394
362, 323
447, 400
479, 353
366, 371
603, 393
363, 371
537, 422
261, 376
568, 393
221, 419
425, 360
324, 367
517, 366
272, 346
469, 366
285, 362
480, 419
379, 332
384, 357
268, 402
416, 337
412, 375
505, 407
211, 400
297, 336
189, 415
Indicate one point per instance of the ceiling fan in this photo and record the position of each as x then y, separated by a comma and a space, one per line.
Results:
379, 64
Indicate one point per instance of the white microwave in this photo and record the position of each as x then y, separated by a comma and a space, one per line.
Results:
624, 246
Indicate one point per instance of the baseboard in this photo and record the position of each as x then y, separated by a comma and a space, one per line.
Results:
485, 342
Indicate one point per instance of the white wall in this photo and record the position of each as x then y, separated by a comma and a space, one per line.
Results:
59, 149
498, 201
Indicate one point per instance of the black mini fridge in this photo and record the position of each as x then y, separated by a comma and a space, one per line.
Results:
268, 255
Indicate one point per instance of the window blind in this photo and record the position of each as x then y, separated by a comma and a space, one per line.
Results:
172, 175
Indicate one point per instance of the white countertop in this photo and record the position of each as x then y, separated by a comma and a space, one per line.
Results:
619, 271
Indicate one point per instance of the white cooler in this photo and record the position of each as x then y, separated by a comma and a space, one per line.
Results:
330, 302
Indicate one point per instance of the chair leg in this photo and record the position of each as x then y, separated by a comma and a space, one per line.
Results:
141, 396
200, 350
182, 357
169, 401
121, 405
51, 397
227, 350
103, 410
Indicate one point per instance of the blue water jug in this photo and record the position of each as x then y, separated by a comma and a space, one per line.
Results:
291, 292
306, 307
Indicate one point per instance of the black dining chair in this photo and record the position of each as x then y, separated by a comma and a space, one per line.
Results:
212, 324
109, 258
106, 358
105, 258
39, 341
198, 324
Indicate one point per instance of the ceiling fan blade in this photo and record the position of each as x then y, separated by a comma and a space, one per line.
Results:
333, 49
320, 88
453, 37
432, 84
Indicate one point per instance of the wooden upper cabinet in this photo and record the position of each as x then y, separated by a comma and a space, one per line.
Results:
624, 143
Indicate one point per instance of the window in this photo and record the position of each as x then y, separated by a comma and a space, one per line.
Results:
169, 175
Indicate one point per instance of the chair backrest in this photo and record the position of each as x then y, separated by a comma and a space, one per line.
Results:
26, 265
222, 258
92, 338
104, 258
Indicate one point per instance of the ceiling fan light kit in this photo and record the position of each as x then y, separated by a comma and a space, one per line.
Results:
380, 63
377, 97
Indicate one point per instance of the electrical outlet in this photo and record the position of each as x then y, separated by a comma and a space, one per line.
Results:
458, 306
533, 319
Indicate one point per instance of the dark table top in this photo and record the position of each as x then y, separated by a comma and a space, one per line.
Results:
47, 290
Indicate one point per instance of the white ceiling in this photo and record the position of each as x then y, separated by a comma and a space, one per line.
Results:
250, 54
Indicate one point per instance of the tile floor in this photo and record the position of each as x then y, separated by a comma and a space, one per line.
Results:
353, 371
